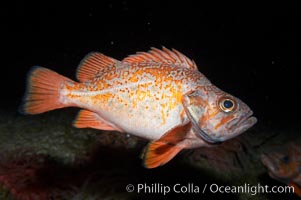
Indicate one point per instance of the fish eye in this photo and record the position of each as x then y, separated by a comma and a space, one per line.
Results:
227, 104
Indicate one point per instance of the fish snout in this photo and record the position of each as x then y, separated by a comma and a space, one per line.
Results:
242, 123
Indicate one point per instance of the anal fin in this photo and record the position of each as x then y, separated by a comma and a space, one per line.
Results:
89, 119
167, 147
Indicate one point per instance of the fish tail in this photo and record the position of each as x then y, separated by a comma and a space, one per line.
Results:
43, 91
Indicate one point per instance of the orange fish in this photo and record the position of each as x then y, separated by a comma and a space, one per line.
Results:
285, 166
158, 95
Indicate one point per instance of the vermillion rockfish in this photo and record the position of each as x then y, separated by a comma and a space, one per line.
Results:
285, 165
158, 95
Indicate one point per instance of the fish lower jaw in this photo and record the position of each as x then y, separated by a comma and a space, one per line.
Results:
246, 124
241, 124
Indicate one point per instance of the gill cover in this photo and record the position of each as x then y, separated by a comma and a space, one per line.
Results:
195, 107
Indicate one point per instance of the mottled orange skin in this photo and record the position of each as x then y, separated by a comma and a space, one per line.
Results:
159, 95
214, 124
149, 94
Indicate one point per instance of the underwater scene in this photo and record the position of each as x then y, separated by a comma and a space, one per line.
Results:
149, 100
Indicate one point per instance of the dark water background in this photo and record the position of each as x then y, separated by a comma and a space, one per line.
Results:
249, 51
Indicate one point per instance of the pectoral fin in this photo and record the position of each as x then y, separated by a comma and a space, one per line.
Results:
163, 150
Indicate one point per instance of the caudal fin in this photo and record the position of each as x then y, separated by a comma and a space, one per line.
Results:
43, 91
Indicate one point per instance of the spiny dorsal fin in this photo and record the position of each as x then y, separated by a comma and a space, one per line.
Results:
162, 56
91, 64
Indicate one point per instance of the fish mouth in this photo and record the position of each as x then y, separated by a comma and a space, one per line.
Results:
274, 166
237, 126
243, 123
271, 165
269, 162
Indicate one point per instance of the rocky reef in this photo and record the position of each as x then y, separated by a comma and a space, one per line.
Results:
44, 157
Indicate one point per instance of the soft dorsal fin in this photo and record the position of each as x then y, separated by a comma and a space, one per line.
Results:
89, 119
91, 64
162, 56
163, 150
